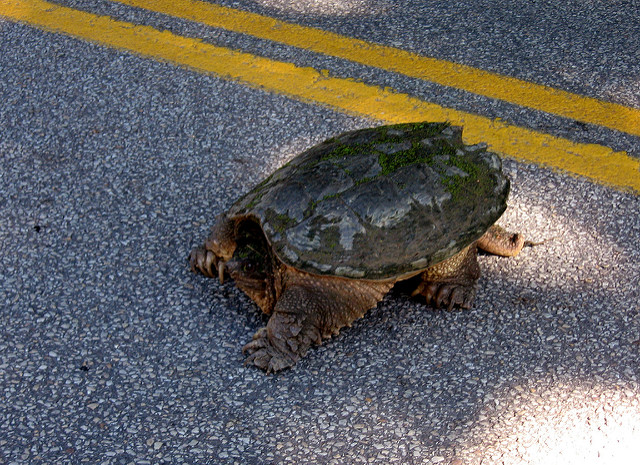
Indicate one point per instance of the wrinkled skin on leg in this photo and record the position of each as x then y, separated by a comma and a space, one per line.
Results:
310, 309
452, 283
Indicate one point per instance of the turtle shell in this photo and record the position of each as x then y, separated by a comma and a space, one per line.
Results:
379, 203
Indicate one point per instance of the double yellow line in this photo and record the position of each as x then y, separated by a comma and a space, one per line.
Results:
594, 161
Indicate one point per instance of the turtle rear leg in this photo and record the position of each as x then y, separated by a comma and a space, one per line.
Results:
309, 310
451, 283
499, 241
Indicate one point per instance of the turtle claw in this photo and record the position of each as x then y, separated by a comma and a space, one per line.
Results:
265, 356
260, 341
203, 261
449, 295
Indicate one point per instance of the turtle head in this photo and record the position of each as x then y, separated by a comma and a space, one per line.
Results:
238, 248
250, 264
248, 268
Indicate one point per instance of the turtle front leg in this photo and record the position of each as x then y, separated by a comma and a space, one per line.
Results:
284, 340
451, 283
309, 310
204, 261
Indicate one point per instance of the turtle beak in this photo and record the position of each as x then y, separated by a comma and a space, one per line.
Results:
221, 265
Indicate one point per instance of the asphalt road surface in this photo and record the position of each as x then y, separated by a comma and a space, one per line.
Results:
114, 165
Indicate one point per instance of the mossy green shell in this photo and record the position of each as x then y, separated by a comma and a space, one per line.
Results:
379, 203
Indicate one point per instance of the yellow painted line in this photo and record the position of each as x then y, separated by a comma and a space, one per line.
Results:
594, 161
446, 73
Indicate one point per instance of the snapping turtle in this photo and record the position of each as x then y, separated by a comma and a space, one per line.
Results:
325, 237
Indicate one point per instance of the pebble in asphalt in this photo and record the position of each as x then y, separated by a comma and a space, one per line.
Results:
112, 352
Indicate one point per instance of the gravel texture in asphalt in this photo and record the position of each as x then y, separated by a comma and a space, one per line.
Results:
114, 166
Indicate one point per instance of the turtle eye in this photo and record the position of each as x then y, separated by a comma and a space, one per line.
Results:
249, 267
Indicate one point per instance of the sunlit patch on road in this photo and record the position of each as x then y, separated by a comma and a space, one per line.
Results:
568, 423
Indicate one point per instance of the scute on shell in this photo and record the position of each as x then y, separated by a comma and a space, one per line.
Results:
379, 203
